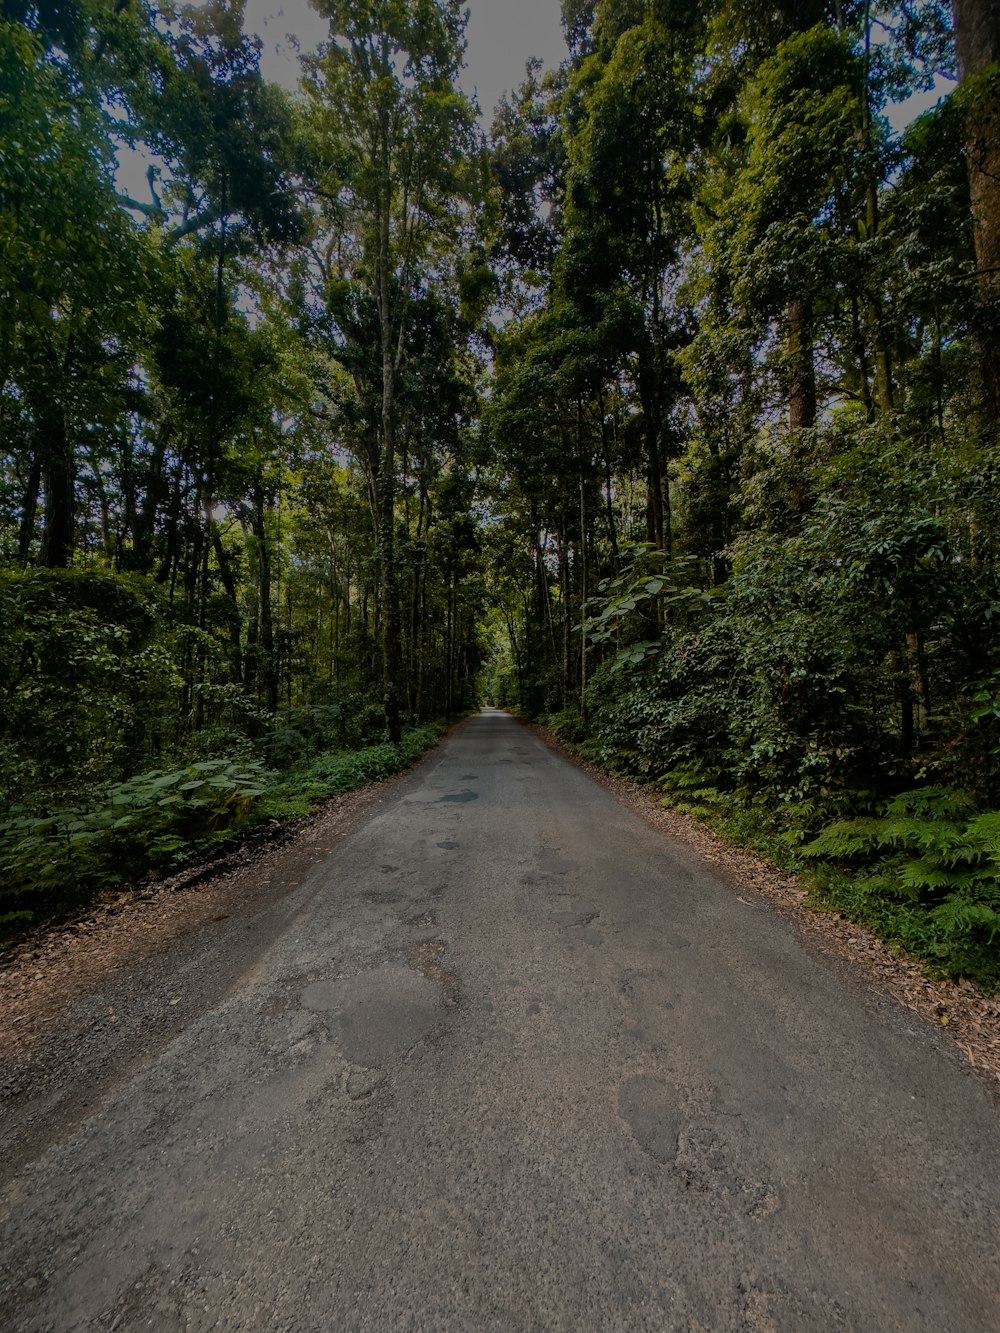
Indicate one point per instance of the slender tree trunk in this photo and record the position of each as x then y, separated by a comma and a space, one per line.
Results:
564, 591
58, 477
584, 593
608, 484
977, 34
107, 539
862, 355
883, 358
145, 519
386, 519
801, 367
225, 564
29, 510
268, 675
649, 400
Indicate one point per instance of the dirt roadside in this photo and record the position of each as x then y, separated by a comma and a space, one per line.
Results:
971, 1019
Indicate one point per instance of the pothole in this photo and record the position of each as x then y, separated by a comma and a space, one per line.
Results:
570, 919
378, 1014
425, 957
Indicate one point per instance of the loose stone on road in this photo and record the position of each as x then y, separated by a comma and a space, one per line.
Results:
516, 1061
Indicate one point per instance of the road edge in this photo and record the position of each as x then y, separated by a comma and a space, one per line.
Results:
968, 1018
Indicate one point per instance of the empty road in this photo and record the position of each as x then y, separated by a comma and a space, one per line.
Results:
510, 1059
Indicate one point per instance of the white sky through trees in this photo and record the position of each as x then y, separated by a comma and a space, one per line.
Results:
502, 36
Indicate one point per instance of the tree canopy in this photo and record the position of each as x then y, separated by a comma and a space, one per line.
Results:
667, 409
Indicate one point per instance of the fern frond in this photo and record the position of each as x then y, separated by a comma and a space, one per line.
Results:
926, 873
959, 916
926, 835
937, 803
847, 837
985, 831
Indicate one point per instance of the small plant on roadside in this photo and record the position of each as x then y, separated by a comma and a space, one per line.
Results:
690, 790
924, 871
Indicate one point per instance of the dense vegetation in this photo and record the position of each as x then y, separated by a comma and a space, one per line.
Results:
237, 413
744, 430
668, 412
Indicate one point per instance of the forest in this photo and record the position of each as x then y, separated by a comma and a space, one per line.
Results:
665, 410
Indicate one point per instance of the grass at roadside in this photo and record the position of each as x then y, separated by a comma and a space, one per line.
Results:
160, 822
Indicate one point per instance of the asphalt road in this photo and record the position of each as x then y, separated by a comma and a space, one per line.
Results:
513, 1060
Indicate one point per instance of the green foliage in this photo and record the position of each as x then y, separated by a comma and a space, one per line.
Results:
331, 774
566, 726
86, 663
927, 873
154, 821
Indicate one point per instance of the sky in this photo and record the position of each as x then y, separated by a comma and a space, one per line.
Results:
502, 36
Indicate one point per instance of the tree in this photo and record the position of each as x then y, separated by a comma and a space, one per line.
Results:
394, 160
977, 39
628, 206
73, 277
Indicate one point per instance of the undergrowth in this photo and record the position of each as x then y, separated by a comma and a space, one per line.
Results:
924, 871
159, 821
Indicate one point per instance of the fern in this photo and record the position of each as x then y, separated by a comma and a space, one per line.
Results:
927, 873
935, 878
936, 803
985, 831
845, 839
913, 833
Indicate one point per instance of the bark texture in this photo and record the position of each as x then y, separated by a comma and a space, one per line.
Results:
977, 35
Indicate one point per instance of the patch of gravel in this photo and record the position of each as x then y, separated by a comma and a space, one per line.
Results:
971, 1019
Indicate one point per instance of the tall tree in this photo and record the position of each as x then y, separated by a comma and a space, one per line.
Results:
977, 39
72, 276
393, 146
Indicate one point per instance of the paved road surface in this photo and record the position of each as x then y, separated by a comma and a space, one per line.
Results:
518, 1062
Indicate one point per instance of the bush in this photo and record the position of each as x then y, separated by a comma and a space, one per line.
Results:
152, 822
84, 673
331, 774
924, 871
567, 725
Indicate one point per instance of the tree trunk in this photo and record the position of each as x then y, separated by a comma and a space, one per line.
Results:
268, 675
29, 509
883, 358
649, 400
801, 367
153, 501
977, 34
225, 563
584, 593
58, 484
387, 478
564, 595
608, 485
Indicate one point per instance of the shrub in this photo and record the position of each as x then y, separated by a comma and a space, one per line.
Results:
152, 822
925, 871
